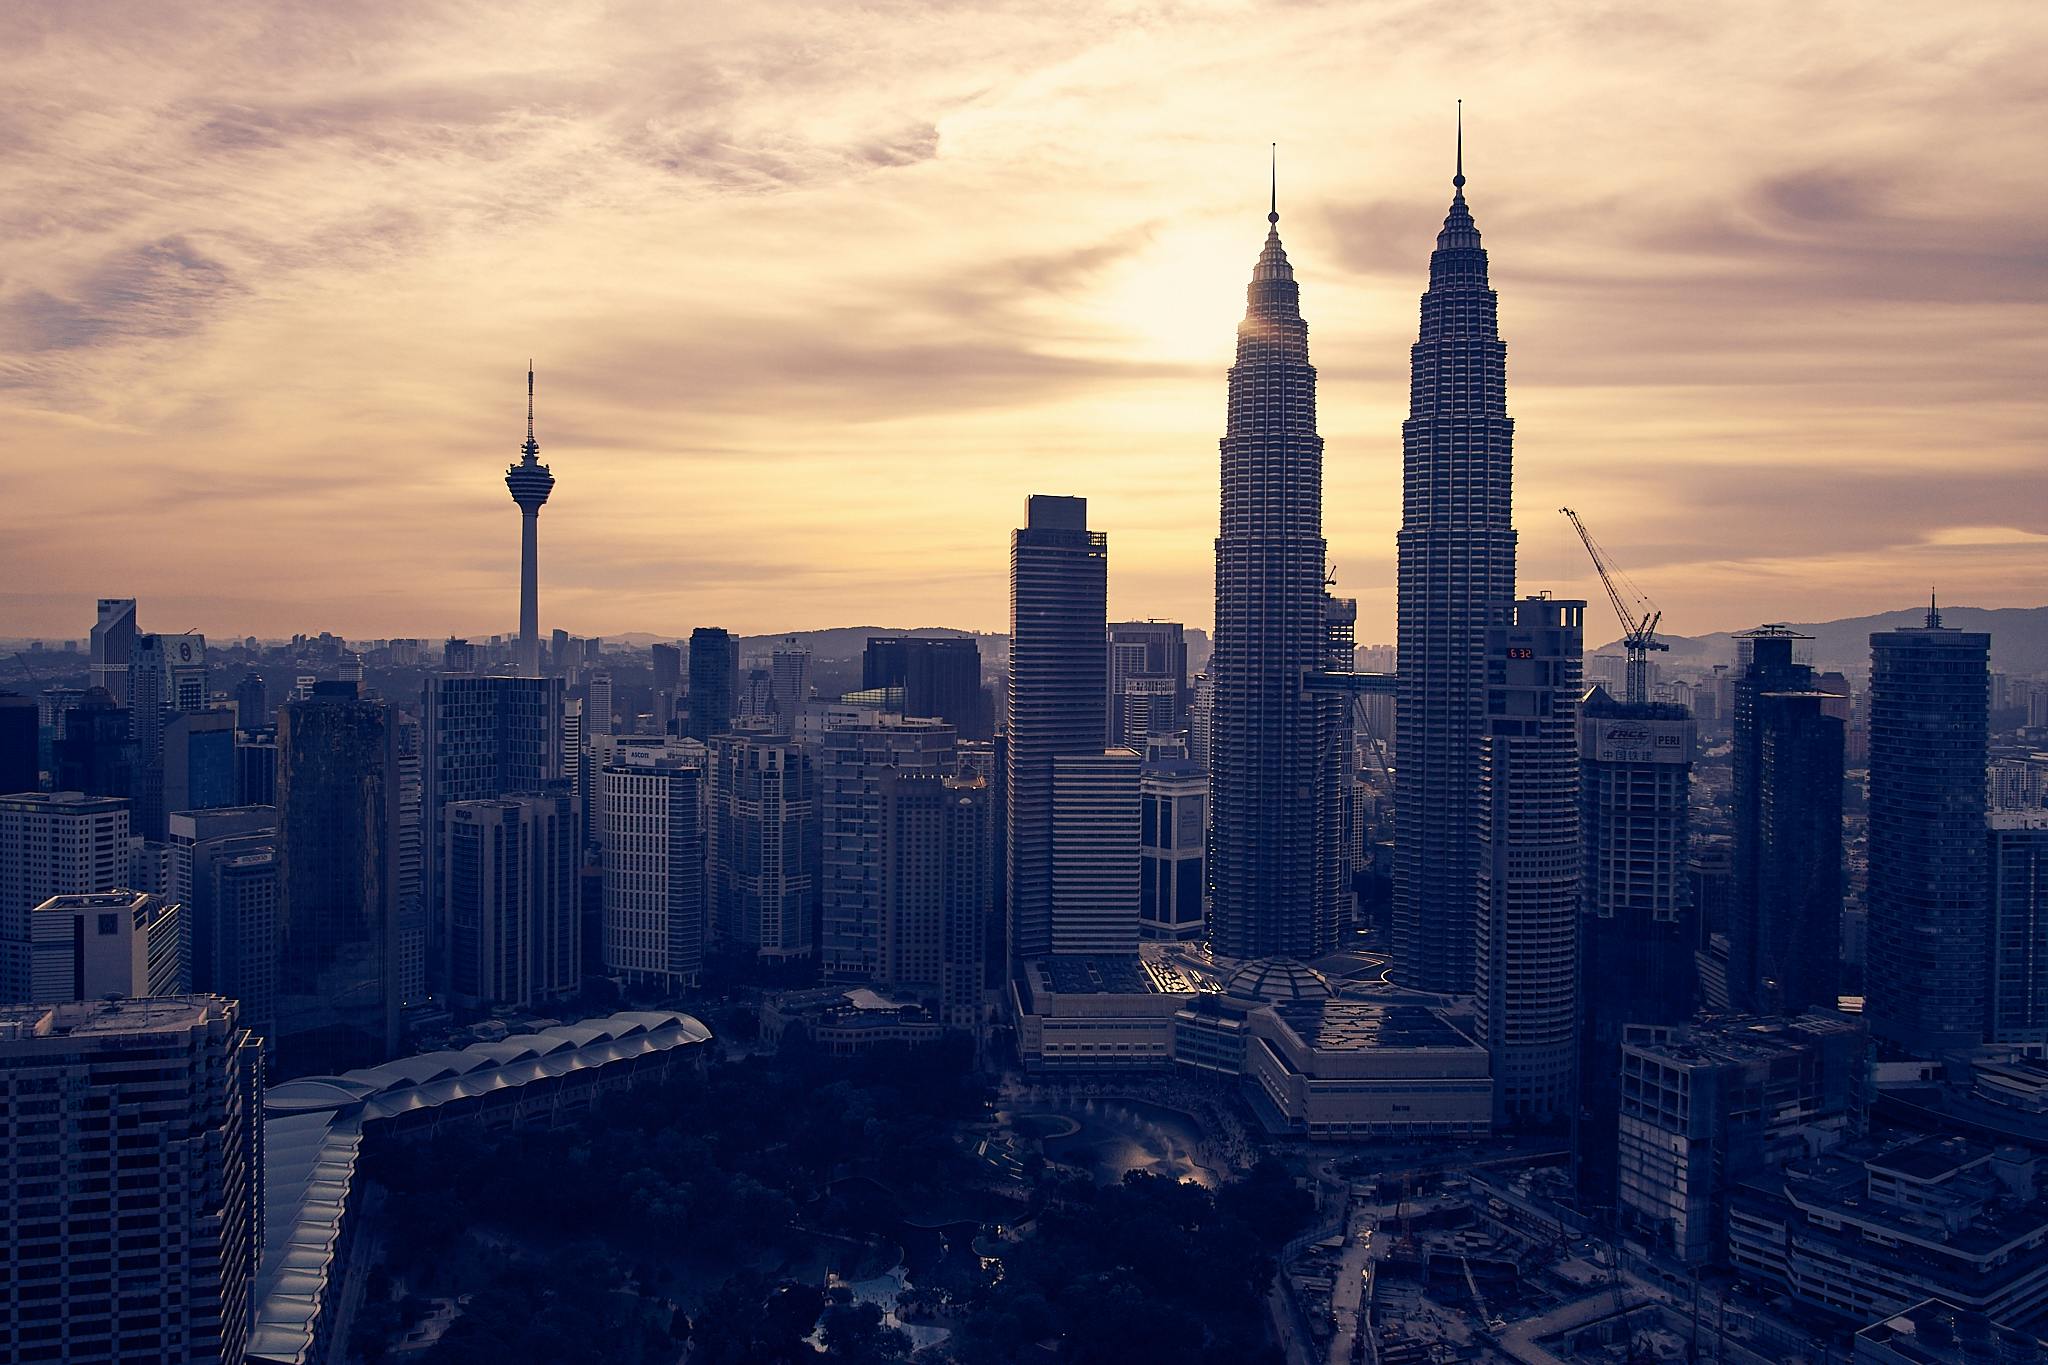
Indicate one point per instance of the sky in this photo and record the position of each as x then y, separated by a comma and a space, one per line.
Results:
817, 293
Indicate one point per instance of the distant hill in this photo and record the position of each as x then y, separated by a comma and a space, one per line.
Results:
2019, 638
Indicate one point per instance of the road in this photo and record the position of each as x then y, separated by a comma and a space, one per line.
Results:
1347, 1293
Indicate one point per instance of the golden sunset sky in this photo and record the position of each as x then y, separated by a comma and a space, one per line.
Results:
819, 292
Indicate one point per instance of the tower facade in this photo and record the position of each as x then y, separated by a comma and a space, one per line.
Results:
337, 864
1274, 870
1528, 846
161, 1099
1059, 615
1930, 922
530, 483
1456, 555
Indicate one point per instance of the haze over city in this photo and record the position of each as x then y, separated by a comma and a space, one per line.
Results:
817, 295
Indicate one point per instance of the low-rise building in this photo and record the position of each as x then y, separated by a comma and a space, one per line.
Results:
1935, 1333
1855, 1234
848, 1022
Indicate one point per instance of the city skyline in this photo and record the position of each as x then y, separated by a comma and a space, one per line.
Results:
284, 338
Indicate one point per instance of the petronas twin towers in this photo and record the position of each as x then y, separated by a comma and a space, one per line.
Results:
1276, 752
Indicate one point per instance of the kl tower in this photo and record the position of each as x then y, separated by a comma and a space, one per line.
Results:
530, 483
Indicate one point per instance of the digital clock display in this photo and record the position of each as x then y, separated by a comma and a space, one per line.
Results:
1521, 652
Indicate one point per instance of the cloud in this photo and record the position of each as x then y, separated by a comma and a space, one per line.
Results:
818, 293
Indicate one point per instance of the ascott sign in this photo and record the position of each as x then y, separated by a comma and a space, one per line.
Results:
1637, 741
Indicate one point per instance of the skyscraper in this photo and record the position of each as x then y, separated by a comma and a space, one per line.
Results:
1456, 556
52, 844
252, 702
1526, 930
764, 824
935, 890
1638, 927
1146, 653
481, 738
1930, 923
113, 639
654, 901
668, 683
1173, 794
789, 672
530, 483
1786, 908
1059, 614
1274, 805
131, 1205
2018, 896
337, 797
223, 870
714, 681
855, 757
20, 743
940, 676
1095, 852
509, 888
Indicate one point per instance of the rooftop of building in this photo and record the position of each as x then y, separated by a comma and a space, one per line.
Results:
105, 1018
1939, 1333
1929, 1159
66, 801
435, 1078
73, 903
1365, 1026
1737, 1038
1975, 1214
1112, 974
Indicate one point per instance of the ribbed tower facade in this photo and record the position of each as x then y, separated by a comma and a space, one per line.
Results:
530, 483
1274, 872
1456, 554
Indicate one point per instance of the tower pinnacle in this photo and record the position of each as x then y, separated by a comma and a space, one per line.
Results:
1273, 211
1458, 180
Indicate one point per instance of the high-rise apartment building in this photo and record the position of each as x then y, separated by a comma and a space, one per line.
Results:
654, 875
108, 943
1095, 852
2018, 897
337, 799
1930, 920
935, 890
509, 888
764, 831
1059, 615
1275, 793
113, 640
1173, 823
714, 681
52, 844
131, 1200
1456, 558
854, 757
1637, 925
1530, 859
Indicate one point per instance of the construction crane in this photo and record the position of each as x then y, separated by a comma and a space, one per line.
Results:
1639, 615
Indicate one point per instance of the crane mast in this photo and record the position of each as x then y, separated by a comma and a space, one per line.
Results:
1639, 615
